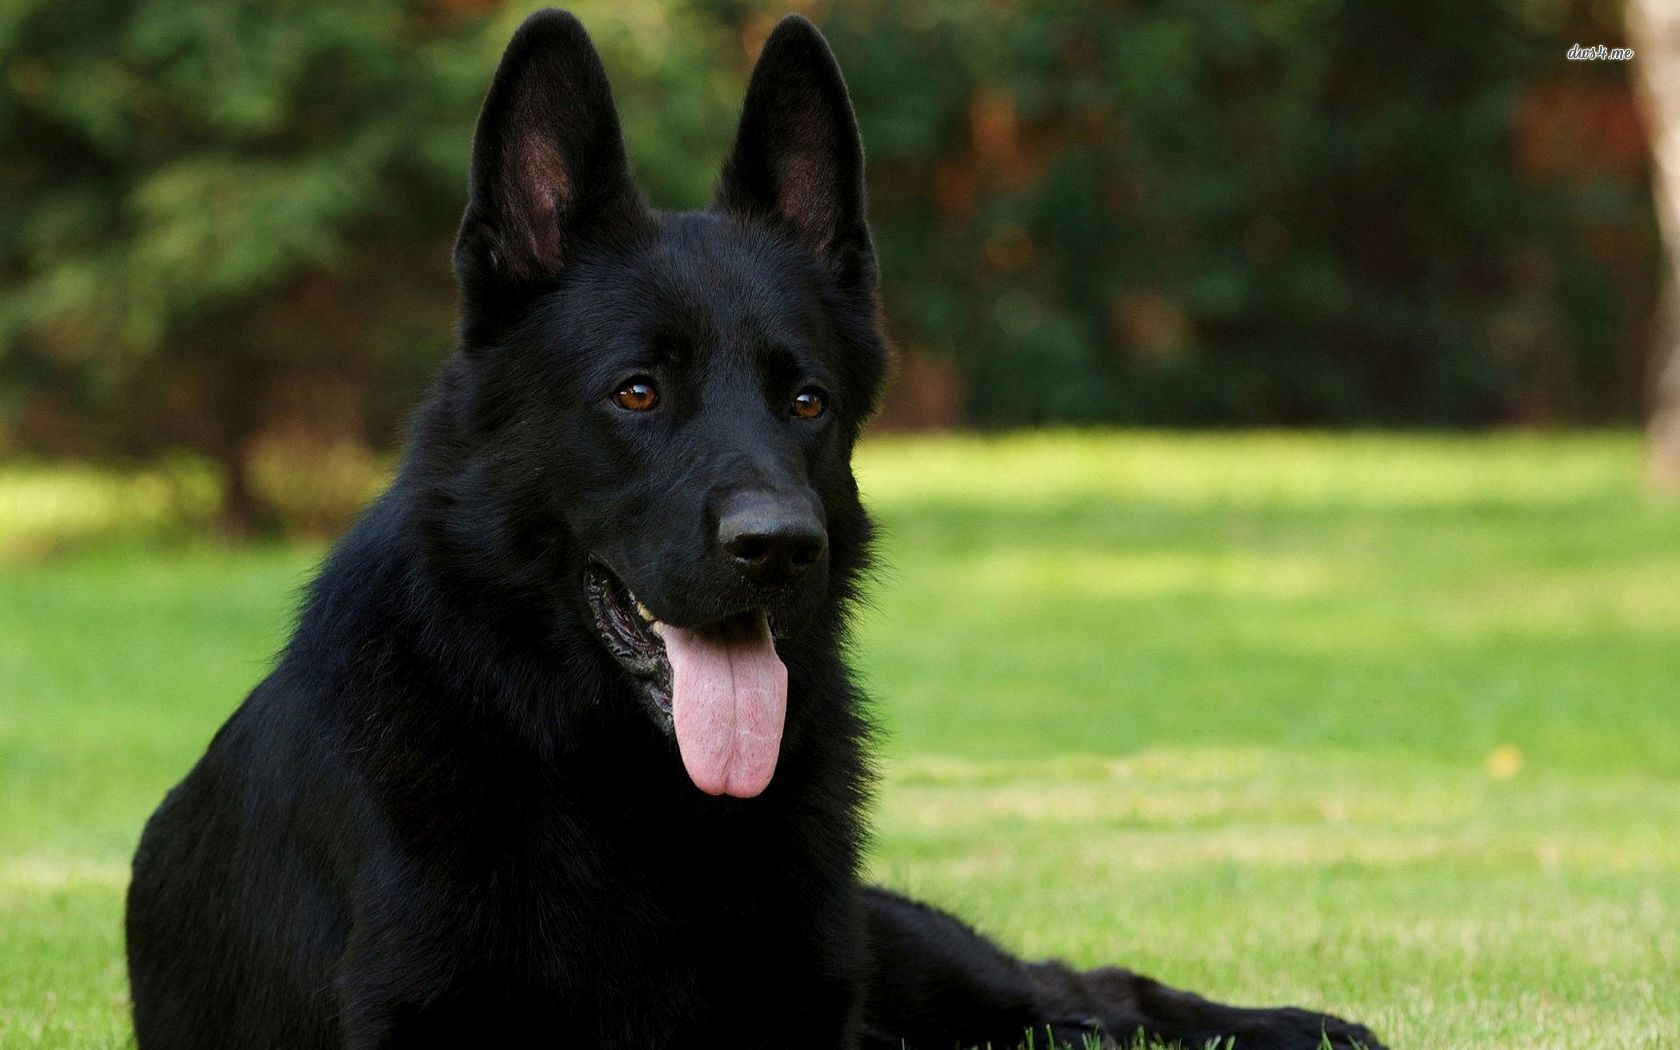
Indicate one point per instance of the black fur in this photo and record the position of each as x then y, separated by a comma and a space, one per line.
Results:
453, 814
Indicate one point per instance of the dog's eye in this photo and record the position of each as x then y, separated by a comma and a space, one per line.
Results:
637, 395
810, 403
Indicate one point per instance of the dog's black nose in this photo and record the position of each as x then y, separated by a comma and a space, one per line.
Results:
771, 541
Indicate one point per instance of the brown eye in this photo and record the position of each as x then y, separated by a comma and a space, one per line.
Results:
637, 395
809, 403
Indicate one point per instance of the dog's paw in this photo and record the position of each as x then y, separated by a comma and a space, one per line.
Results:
1294, 1029
1282, 1029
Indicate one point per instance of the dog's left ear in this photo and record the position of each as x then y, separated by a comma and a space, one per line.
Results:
798, 160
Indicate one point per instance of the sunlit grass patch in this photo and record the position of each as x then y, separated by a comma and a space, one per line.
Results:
46, 508
1056, 469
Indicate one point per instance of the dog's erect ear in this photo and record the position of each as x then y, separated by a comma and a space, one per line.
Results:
549, 174
798, 160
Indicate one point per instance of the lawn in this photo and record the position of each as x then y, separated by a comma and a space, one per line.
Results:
1384, 725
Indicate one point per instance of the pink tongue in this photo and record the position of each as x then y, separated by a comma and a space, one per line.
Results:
728, 698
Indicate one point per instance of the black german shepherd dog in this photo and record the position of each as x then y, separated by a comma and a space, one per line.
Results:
564, 751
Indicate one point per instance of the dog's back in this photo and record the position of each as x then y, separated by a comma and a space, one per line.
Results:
240, 904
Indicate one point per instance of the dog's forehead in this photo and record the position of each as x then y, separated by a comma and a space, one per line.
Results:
725, 283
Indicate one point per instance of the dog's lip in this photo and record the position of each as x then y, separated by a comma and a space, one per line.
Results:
606, 588
628, 631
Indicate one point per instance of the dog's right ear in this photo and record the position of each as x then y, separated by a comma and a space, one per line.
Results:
549, 175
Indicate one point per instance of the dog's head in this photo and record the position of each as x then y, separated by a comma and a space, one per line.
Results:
678, 393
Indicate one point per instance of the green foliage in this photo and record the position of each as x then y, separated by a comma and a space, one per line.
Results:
165, 157
1214, 211
228, 224
1379, 725
229, 220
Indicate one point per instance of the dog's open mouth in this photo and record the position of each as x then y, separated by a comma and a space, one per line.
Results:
627, 627
721, 685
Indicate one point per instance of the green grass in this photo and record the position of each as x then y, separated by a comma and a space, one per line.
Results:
1383, 725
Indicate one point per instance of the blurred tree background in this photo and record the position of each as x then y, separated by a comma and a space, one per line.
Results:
226, 225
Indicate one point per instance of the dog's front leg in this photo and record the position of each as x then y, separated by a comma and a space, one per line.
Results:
1122, 1003
937, 984
933, 984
